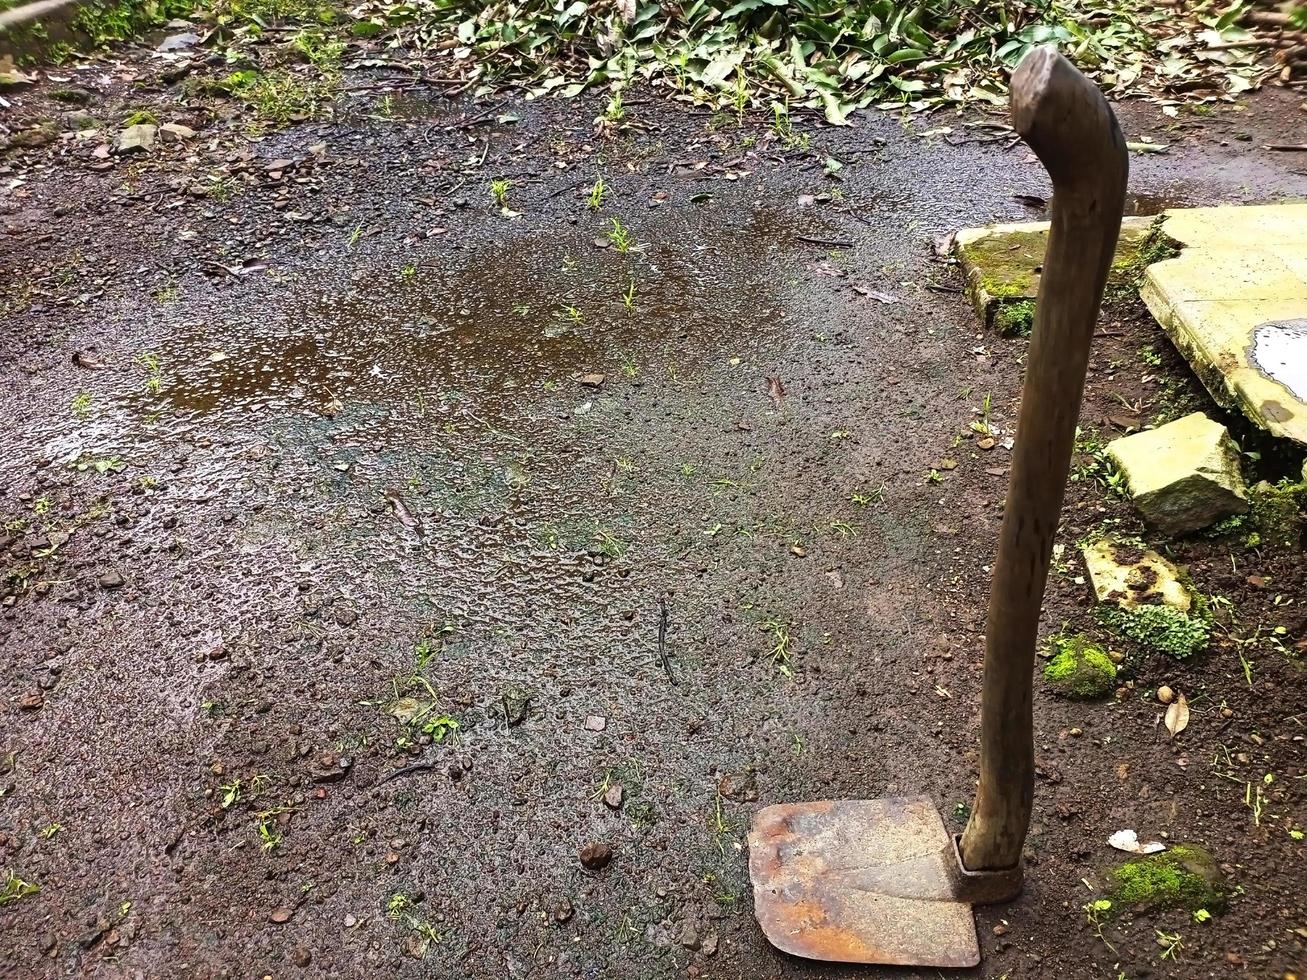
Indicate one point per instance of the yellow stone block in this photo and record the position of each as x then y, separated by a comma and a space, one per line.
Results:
1129, 576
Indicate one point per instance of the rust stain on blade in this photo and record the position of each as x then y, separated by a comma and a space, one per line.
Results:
860, 881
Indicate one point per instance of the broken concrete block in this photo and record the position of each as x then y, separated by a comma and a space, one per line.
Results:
136, 139
175, 133
1183, 475
1130, 576
1143, 599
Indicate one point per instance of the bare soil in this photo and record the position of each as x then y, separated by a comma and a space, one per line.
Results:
302, 472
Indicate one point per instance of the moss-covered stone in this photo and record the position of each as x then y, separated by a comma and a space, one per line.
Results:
1277, 511
1184, 877
1135, 256
1003, 262
1079, 668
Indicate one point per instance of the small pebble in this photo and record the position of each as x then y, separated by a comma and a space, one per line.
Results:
595, 856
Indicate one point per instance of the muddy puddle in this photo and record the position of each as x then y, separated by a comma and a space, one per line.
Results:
479, 330
1144, 204
428, 413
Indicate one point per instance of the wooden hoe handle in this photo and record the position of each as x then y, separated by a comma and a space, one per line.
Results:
1072, 130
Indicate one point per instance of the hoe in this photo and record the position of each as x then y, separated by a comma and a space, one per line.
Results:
882, 881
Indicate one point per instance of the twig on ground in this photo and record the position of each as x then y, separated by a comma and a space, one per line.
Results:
824, 242
407, 771
479, 118
662, 639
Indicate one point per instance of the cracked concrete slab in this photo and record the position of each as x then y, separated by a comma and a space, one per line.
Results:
1234, 302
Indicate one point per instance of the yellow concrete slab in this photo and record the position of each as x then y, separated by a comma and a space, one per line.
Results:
1255, 226
1229, 274
1234, 302
1217, 338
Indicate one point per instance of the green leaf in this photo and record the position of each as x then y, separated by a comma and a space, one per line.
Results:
837, 114
744, 6
905, 54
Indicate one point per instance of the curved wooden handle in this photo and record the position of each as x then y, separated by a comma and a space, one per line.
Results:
1072, 130
31, 11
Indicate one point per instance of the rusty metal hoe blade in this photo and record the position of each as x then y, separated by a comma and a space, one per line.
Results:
882, 881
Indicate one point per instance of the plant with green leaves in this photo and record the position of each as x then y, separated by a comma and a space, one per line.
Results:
14, 888
620, 236
1161, 628
831, 56
615, 111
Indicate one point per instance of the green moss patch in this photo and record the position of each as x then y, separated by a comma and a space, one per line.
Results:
1079, 668
1184, 877
1160, 628
1277, 511
1135, 255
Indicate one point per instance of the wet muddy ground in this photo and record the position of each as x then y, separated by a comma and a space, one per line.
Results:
371, 551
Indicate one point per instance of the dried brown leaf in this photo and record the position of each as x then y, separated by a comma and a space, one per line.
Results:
1177, 715
776, 391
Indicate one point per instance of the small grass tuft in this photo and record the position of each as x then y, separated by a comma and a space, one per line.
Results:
782, 646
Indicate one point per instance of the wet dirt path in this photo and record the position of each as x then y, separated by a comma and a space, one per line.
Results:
337, 575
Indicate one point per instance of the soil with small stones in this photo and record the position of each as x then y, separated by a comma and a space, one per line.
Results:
334, 587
